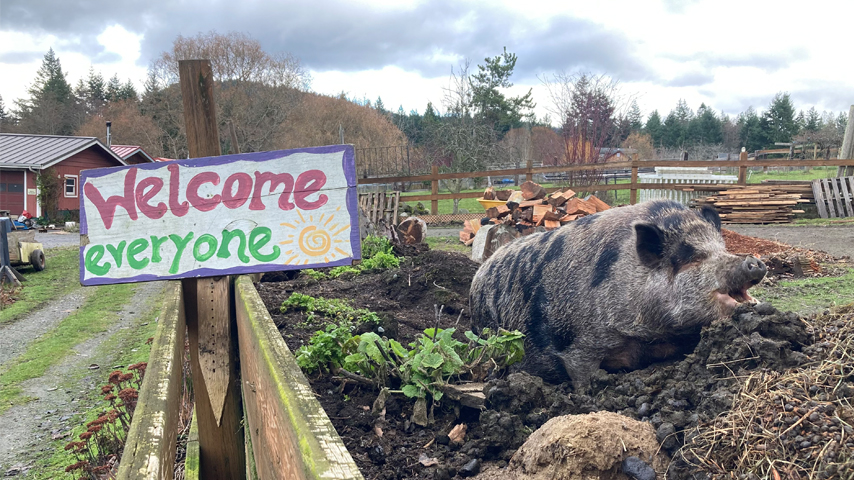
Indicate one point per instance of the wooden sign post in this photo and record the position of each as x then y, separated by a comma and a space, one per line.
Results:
206, 218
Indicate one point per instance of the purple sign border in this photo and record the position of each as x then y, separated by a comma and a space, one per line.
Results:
349, 167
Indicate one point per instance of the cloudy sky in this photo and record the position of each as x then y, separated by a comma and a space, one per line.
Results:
730, 54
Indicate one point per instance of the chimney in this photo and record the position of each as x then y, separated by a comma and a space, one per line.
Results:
109, 139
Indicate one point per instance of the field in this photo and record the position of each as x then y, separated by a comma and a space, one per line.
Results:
687, 400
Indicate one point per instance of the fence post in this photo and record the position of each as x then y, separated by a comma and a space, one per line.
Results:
847, 150
742, 169
208, 303
434, 202
633, 194
529, 174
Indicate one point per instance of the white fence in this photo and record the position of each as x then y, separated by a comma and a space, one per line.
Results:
680, 175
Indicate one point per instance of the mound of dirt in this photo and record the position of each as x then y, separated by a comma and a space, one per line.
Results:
579, 447
672, 398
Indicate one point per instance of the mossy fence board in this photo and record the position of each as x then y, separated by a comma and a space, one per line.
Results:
150, 447
290, 435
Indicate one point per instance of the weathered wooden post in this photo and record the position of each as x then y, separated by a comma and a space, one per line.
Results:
742, 168
209, 303
434, 183
633, 195
529, 170
847, 150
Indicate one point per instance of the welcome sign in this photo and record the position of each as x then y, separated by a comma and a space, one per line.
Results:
233, 214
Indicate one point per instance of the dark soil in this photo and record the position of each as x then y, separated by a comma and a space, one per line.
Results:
672, 396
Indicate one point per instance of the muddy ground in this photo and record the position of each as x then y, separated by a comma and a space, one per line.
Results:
673, 396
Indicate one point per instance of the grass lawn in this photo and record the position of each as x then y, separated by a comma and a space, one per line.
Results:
808, 295
795, 175
60, 276
448, 244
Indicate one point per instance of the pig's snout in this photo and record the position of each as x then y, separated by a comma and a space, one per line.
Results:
753, 270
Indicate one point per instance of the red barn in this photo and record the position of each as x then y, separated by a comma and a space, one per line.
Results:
23, 157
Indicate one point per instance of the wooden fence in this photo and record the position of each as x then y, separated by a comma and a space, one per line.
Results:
742, 164
291, 434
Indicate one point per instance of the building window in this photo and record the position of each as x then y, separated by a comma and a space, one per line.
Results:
71, 186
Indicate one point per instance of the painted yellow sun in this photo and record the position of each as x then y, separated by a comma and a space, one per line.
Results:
316, 241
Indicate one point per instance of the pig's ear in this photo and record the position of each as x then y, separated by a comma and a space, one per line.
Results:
710, 215
650, 244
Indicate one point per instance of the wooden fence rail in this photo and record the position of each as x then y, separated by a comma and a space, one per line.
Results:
742, 164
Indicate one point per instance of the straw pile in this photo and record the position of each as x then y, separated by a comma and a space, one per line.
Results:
792, 425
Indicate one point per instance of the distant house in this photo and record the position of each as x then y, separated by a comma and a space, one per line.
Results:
23, 157
616, 154
132, 154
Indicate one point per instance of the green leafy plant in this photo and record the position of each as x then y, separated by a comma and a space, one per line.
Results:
334, 309
326, 348
373, 245
315, 274
342, 270
380, 261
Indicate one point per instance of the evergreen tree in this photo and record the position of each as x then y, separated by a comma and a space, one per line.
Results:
380, 107
779, 119
635, 117
813, 120
51, 106
841, 123
4, 115
801, 121
654, 128
97, 91
705, 127
674, 131
491, 106
128, 92
114, 88
750, 130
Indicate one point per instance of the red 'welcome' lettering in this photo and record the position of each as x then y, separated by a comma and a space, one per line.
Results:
139, 195
310, 181
202, 204
275, 180
142, 197
107, 208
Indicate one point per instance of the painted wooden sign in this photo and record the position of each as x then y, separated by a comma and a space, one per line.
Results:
233, 214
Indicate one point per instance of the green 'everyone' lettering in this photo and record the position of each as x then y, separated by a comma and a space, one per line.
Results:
117, 252
241, 245
156, 242
135, 248
94, 255
180, 244
208, 240
258, 237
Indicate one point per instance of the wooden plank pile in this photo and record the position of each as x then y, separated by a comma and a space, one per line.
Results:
531, 207
752, 203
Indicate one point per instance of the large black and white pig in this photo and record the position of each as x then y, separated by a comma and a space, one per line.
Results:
614, 290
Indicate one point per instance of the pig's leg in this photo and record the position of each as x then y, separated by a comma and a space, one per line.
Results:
580, 363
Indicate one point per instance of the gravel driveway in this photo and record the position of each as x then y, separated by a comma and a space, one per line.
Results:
58, 238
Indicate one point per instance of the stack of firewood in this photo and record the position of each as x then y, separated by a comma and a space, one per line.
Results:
754, 204
531, 207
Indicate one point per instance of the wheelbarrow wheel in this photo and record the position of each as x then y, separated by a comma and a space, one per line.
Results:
37, 260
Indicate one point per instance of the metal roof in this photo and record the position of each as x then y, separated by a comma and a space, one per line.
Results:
127, 151
41, 151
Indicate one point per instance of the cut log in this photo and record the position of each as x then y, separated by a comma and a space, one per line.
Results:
412, 231
568, 218
503, 195
532, 191
599, 204
489, 194
539, 212
551, 224
530, 203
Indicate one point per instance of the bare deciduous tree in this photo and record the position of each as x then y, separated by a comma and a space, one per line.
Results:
590, 108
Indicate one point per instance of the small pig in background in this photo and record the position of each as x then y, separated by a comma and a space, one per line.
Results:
614, 290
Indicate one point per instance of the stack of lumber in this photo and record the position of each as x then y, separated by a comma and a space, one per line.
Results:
754, 204
785, 187
531, 207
